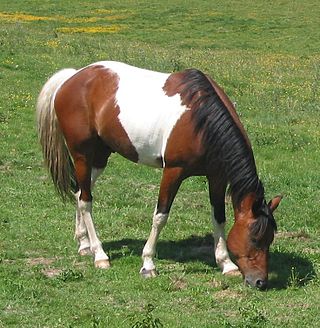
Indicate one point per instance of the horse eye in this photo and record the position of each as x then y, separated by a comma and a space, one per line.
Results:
254, 241
257, 243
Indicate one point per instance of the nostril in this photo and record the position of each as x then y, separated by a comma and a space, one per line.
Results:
261, 284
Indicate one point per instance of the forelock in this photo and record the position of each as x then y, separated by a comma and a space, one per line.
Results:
264, 226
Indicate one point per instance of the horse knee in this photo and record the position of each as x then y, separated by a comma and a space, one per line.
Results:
160, 220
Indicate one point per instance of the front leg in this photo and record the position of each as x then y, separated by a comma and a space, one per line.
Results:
158, 222
217, 199
170, 183
220, 248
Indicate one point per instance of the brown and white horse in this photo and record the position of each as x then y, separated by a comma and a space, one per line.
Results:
182, 122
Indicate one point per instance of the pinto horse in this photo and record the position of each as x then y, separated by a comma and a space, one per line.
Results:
182, 122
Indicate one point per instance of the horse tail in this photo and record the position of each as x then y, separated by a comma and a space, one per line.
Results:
55, 152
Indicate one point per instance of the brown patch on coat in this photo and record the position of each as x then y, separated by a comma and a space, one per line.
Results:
173, 84
184, 146
87, 100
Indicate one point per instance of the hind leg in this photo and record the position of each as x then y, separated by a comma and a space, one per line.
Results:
88, 166
81, 233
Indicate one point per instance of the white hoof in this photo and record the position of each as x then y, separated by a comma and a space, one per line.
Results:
102, 264
231, 269
85, 251
234, 273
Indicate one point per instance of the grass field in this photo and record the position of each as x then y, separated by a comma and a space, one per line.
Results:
266, 57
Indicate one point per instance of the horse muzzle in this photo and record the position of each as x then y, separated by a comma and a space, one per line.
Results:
256, 282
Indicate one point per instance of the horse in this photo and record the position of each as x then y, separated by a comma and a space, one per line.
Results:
182, 122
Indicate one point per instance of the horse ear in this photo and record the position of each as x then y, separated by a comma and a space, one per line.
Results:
274, 203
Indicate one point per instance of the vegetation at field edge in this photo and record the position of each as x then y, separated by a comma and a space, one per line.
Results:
266, 57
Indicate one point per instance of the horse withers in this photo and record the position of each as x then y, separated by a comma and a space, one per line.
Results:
181, 122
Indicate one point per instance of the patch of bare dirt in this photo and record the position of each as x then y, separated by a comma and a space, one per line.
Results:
227, 293
51, 272
178, 283
47, 271
302, 235
40, 261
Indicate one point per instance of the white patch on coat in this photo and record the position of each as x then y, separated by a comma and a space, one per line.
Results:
147, 114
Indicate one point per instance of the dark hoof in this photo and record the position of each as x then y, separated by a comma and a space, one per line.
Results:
148, 273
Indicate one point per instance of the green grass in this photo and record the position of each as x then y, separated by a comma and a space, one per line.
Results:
266, 56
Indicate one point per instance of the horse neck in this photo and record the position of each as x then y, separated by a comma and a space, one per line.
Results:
241, 173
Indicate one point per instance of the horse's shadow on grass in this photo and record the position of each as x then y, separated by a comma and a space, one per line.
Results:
289, 270
285, 269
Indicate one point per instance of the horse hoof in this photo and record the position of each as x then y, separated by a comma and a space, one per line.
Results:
102, 264
232, 273
148, 273
85, 252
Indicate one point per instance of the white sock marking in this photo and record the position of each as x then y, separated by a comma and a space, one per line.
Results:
220, 247
95, 244
149, 250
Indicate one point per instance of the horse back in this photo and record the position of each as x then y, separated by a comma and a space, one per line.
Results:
131, 110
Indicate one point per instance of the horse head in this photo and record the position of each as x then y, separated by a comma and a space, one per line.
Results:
251, 236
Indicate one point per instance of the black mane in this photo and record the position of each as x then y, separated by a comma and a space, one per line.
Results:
228, 151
